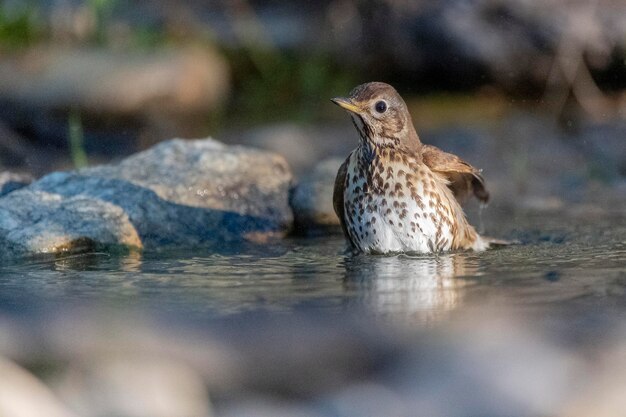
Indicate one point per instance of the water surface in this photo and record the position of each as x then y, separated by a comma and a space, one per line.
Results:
561, 263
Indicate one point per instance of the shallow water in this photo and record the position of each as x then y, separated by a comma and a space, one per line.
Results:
526, 330
562, 264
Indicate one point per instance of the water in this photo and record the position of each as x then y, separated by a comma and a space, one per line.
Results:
526, 330
561, 263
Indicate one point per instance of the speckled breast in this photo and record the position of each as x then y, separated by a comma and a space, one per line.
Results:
394, 203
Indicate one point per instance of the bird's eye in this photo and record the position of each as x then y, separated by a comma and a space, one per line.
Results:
381, 106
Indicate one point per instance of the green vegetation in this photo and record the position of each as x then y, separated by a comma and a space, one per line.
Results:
102, 10
77, 140
140, 37
146, 37
437, 110
271, 85
19, 26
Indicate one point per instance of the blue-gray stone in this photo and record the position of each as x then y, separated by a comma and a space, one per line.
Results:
11, 181
180, 193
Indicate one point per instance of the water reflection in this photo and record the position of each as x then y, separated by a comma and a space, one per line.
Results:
94, 261
415, 288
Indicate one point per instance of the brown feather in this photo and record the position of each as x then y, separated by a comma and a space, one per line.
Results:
464, 179
338, 205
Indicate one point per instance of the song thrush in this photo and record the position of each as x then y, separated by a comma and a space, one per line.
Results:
394, 193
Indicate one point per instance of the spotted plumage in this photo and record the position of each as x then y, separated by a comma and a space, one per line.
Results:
395, 194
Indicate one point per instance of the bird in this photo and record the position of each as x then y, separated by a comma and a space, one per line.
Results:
394, 193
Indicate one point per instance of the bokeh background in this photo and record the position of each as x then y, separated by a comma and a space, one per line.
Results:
532, 92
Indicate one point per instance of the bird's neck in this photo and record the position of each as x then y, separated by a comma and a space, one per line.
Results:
370, 157
389, 148
374, 142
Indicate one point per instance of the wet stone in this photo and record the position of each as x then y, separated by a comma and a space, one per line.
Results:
179, 193
11, 181
312, 200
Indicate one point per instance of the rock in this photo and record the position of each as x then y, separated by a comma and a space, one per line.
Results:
368, 400
492, 361
269, 407
517, 373
605, 396
134, 386
34, 221
312, 199
179, 193
11, 181
23, 395
110, 82
124, 101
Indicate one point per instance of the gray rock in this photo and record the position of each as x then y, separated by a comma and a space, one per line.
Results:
11, 181
269, 407
312, 199
179, 193
134, 386
23, 395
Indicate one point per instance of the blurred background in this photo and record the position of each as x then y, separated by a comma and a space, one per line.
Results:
533, 92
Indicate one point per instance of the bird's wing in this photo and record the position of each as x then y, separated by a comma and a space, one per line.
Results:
464, 179
340, 183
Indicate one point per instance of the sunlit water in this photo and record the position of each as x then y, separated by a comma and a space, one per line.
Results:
561, 264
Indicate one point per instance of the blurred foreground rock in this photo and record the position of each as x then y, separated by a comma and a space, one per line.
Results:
312, 199
129, 386
487, 363
179, 193
24, 395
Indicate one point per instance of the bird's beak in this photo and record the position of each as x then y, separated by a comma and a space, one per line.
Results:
346, 103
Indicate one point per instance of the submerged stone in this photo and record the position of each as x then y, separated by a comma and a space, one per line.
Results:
180, 193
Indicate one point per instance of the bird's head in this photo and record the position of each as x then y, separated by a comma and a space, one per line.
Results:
380, 115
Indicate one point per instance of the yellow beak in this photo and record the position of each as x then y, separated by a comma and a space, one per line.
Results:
346, 103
